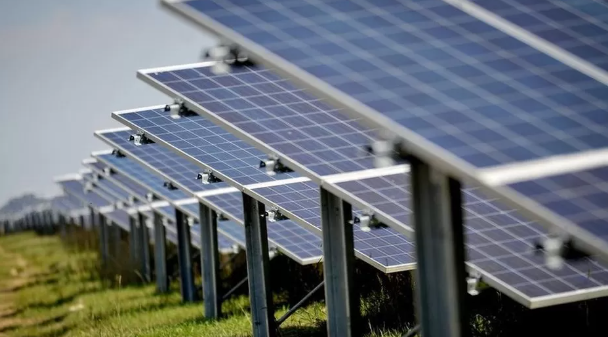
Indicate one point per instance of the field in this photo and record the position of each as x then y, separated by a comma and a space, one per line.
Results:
53, 288
48, 290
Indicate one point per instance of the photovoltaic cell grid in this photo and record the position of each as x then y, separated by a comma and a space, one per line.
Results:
108, 187
581, 197
278, 114
384, 246
141, 174
499, 241
76, 188
205, 143
465, 86
129, 184
293, 239
578, 27
179, 169
232, 230
286, 234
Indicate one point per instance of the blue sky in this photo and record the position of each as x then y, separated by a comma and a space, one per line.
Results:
65, 65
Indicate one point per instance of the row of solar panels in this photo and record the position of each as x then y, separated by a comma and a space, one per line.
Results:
500, 243
251, 112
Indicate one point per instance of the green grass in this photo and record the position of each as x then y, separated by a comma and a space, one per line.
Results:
49, 290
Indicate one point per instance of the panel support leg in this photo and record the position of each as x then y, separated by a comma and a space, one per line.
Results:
144, 246
103, 241
134, 248
260, 295
437, 209
210, 262
63, 233
160, 254
338, 266
184, 256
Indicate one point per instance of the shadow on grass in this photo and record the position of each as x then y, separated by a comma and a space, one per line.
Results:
297, 331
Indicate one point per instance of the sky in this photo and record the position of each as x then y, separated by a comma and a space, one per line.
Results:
65, 66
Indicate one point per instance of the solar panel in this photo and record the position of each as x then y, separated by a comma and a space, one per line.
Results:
500, 244
159, 159
581, 197
462, 94
110, 188
201, 141
578, 27
383, 248
273, 111
128, 184
485, 96
140, 174
75, 187
291, 239
388, 259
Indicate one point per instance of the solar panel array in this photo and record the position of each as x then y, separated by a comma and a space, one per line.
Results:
500, 243
136, 172
389, 256
75, 187
462, 93
294, 241
273, 110
204, 142
126, 183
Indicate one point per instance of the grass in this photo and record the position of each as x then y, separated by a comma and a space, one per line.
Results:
49, 290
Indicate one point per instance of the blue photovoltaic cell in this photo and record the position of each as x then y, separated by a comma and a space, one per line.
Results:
142, 175
76, 188
120, 218
499, 241
465, 86
179, 169
129, 184
205, 142
233, 230
286, 234
384, 246
278, 114
578, 27
111, 188
581, 197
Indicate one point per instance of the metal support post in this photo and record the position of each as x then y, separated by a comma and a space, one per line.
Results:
184, 256
82, 221
260, 295
103, 240
160, 254
144, 245
341, 298
210, 262
134, 248
298, 305
114, 242
437, 205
